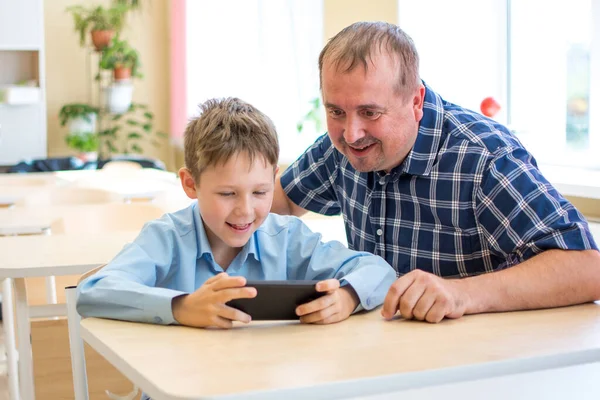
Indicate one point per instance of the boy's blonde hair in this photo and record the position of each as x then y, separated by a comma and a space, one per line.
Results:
225, 128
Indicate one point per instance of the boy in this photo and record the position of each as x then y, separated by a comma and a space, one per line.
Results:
184, 267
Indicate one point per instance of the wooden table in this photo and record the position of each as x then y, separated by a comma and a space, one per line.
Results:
41, 256
363, 356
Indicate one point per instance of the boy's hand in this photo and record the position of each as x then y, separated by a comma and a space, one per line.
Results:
206, 306
335, 306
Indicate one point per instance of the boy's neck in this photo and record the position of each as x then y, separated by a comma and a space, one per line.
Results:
225, 256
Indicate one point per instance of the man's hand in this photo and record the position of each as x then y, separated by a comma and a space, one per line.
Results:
206, 306
335, 306
426, 297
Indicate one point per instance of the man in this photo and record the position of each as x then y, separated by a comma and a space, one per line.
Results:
436, 190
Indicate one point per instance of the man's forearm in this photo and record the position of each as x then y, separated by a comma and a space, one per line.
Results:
553, 278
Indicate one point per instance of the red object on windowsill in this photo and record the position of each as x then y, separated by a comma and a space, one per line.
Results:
490, 107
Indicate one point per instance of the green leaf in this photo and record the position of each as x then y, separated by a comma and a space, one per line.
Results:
162, 135
132, 122
147, 127
134, 135
136, 148
148, 115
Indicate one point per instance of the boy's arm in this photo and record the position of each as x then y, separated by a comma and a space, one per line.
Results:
126, 288
369, 276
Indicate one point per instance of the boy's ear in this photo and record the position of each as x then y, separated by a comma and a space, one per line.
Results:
187, 183
276, 170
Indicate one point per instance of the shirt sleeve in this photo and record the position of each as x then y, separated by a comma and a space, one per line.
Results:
126, 289
309, 258
309, 181
522, 214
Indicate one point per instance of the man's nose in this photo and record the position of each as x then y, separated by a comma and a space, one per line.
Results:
353, 130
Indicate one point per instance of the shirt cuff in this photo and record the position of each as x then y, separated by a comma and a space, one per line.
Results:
158, 307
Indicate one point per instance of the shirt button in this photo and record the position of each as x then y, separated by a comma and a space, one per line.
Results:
158, 320
382, 181
379, 232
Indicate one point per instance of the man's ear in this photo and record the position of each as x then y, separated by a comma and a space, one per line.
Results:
417, 103
187, 183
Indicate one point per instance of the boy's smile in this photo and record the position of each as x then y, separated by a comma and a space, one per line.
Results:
234, 199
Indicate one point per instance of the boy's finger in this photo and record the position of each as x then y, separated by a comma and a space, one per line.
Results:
229, 282
315, 305
220, 322
318, 316
215, 278
328, 285
234, 314
226, 295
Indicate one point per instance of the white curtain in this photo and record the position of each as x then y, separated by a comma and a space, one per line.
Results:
262, 51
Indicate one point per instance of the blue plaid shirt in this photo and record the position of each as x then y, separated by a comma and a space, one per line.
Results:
468, 198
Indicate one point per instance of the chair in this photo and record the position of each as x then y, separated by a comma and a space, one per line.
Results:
80, 382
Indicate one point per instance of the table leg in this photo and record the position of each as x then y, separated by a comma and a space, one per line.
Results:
24, 334
8, 322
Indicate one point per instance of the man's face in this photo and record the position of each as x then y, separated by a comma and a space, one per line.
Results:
234, 199
368, 121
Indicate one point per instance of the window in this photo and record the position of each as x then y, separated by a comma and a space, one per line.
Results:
539, 59
262, 51
550, 80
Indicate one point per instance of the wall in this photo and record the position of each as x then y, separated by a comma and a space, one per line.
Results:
68, 70
340, 13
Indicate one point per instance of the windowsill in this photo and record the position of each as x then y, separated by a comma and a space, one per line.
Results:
570, 181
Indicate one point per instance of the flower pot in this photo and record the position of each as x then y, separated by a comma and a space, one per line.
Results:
101, 39
122, 73
83, 124
118, 97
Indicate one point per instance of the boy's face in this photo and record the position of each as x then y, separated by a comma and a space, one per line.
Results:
234, 198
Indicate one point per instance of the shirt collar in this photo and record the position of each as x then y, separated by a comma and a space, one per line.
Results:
420, 159
204, 246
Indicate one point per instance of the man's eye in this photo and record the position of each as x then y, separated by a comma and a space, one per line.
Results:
371, 114
336, 113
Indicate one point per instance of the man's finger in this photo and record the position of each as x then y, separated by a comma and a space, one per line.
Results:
424, 305
392, 299
409, 299
328, 285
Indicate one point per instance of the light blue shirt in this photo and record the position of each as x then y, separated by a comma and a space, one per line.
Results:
172, 256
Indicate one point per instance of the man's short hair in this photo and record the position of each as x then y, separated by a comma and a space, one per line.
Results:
225, 128
355, 45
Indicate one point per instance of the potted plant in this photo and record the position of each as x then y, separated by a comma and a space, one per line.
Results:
129, 130
122, 59
101, 22
81, 118
81, 121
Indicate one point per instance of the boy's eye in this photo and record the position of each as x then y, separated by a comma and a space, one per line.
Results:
260, 193
226, 194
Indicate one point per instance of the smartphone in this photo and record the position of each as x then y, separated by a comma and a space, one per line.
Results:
277, 300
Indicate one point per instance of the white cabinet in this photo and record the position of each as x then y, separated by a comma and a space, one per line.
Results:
22, 110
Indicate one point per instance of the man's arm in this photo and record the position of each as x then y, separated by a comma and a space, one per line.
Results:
553, 278
282, 204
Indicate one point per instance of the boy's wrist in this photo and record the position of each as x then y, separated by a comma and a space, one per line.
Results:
351, 299
178, 308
